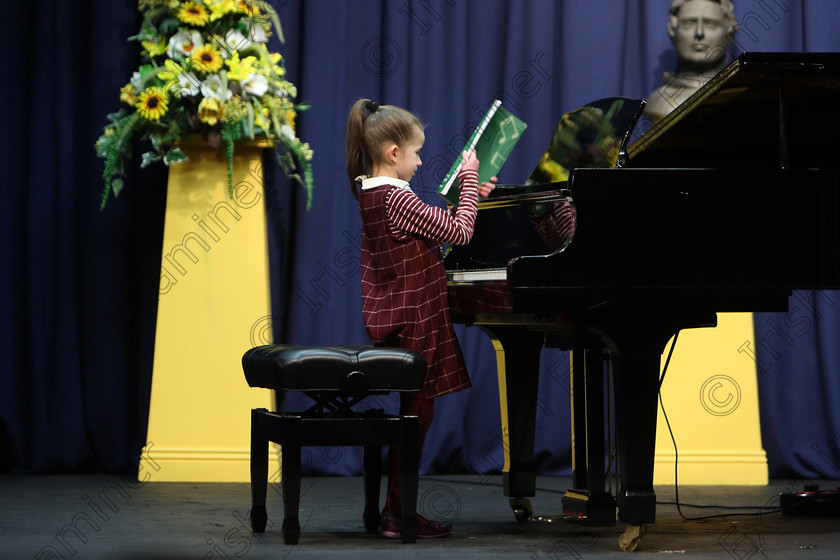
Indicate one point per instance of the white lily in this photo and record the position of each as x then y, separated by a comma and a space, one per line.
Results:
258, 34
183, 43
234, 41
214, 87
188, 84
255, 84
287, 131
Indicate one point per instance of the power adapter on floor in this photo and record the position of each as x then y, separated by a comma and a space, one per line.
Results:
811, 501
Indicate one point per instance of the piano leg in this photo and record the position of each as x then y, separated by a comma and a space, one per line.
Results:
588, 497
636, 386
635, 351
518, 363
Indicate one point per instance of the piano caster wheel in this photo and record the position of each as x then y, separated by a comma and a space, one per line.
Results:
522, 509
629, 540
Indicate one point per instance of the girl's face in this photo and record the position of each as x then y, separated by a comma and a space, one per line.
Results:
408, 156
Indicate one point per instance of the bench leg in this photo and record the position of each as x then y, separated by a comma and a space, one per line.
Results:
373, 478
409, 467
291, 481
259, 474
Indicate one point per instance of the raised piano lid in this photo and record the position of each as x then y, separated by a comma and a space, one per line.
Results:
770, 110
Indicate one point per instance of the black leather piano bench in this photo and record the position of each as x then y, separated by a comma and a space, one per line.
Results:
336, 378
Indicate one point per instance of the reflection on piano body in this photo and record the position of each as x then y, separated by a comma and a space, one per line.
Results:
727, 204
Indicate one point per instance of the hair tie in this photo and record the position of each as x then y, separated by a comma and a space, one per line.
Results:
372, 106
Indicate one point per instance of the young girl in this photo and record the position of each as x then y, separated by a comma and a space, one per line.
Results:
404, 295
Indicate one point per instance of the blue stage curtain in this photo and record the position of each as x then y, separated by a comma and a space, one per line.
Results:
79, 287
798, 363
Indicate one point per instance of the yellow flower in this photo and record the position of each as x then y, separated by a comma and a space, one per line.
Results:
154, 48
207, 59
128, 94
172, 70
290, 118
238, 70
247, 7
152, 104
306, 151
234, 110
210, 110
274, 60
218, 8
193, 13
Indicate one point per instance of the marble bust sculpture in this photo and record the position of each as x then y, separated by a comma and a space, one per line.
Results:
701, 31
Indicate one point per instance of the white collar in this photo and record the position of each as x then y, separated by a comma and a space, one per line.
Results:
373, 182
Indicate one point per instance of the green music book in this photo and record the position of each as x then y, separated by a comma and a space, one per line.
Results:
493, 140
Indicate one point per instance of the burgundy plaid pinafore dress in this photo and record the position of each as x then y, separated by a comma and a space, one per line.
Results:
404, 296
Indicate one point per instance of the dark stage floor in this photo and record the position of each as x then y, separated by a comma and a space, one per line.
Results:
111, 517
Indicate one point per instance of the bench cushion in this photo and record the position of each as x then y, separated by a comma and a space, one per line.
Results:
334, 368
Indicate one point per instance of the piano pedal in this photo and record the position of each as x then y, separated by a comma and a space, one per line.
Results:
522, 509
629, 540
589, 508
558, 517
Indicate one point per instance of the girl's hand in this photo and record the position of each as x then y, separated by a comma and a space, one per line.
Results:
485, 188
470, 161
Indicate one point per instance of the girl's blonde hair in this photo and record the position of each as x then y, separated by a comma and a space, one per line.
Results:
370, 127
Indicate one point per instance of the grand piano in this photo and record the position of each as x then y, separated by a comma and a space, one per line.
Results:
727, 204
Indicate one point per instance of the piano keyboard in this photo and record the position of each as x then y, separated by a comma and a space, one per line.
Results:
476, 275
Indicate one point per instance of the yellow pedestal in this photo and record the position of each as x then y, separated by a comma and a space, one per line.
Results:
710, 395
214, 305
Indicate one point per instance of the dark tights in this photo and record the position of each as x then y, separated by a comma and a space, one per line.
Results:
410, 405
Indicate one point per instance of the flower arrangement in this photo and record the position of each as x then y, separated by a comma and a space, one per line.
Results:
206, 69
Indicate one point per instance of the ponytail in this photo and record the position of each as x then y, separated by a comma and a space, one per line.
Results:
357, 158
369, 127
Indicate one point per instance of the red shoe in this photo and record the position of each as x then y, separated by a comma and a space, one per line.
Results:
389, 527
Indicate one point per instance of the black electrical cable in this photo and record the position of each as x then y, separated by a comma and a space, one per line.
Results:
676, 464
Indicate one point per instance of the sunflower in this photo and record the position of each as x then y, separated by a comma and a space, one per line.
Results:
151, 104
207, 59
193, 13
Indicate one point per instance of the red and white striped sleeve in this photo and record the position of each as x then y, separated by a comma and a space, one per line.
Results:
410, 215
